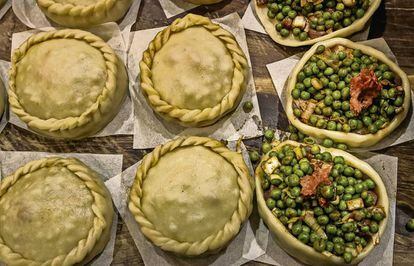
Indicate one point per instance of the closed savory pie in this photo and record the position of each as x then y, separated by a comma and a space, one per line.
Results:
84, 13
193, 72
191, 195
66, 83
53, 211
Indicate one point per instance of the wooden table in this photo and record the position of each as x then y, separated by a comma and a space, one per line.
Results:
394, 21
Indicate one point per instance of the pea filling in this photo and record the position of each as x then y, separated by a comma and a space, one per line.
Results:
324, 202
310, 19
342, 89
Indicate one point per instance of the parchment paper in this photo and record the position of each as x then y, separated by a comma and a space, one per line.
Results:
5, 8
240, 250
107, 165
251, 22
174, 7
280, 71
382, 255
123, 123
30, 14
150, 130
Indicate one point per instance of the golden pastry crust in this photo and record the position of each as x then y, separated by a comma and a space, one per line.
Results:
351, 139
194, 117
82, 14
72, 173
84, 115
269, 26
291, 244
217, 237
203, 2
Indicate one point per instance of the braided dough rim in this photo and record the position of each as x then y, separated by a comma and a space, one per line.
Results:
269, 26
53, 7
351, 139
194, 117
85, 246
212, 243
294, 246
69, 123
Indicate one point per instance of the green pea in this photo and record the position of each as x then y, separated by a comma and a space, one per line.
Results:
276, 193
271, 203
349, 236
297, 228
347, 257
292, 14
284, 32
359, 188
319, 245
323, 220
340, 189
328, 71
315, 150
357, 53
399, 101
327, 192
331, 229
254, 156
290, 212
285, 10
347, 196
339, 248
303, 36
269, 134
349, 171
270, 14
373, 227
331, 125
320, 49
342, 205
295, 191
326, 156
297, 112
327, 143
318, 211
266, 147
345, 93
279, 26
303, 237
296, 32
358, 174
410, 225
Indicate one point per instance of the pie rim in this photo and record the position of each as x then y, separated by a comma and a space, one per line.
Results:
216, 241
194, 117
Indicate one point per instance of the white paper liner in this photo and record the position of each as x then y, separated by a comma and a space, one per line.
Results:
123, 122
251, 22
150, 130
3, 93
28, 12
5, 8
173, 8
239, 251
107, 165
280, 71
382, 255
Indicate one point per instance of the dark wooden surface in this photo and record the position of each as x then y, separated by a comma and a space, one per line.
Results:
394, 21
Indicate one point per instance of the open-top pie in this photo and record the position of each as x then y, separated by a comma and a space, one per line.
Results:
348, 92
191, 195
66, 83
193, 72
53, 211
84, 13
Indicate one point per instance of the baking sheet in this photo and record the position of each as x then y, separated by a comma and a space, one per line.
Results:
240, 250
151, 131
280, 71
5, 8
107, 165
251, 22
123, 123
382, 255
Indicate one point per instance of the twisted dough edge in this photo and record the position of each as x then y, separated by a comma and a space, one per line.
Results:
194, 117
99, 194
69, 123
212, 243
68, 9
